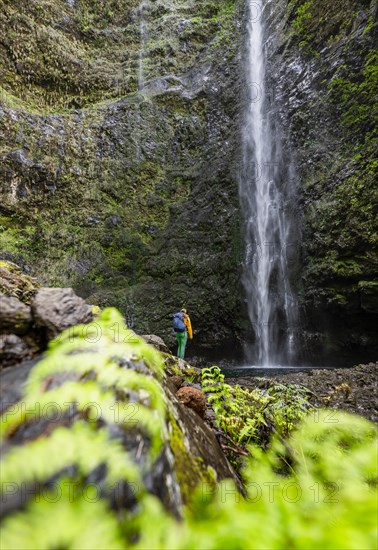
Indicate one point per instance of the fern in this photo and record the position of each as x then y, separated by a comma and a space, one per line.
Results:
243, 413
89, 398
65, 523
333, 506
109, 335
108, 374
78, 445
329, 458
105, 389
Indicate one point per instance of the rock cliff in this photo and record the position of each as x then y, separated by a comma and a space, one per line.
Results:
118, 177
120, 158
324, 83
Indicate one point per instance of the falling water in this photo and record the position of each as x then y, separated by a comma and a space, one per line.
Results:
267, 188
143, 46
143, 33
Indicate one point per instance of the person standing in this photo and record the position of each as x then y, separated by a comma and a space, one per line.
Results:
183, 328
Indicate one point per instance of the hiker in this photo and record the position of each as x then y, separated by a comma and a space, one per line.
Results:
182, 327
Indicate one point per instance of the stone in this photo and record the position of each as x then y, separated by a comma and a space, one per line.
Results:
14, 315
157, 342
12, 349
176, 381
192, 398
178, 367
58, 309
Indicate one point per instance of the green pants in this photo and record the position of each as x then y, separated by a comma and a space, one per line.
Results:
181, 338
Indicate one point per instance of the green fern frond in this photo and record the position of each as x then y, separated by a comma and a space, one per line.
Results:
78, 445
90, 398
108, 333
107, 373
64, 523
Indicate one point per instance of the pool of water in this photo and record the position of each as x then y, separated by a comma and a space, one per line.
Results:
252, 370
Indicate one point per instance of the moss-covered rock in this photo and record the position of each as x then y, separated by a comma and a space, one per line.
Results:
13, 282
119, 168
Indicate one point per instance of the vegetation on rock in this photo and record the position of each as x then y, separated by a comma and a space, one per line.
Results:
124, 177
251, 416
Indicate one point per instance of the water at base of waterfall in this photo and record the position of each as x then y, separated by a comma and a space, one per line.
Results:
267, 371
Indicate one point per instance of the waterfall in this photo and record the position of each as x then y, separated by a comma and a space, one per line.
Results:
143, 34
267, 192
143, 47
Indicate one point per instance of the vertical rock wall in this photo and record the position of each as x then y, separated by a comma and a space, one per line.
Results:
130, 196
324, 76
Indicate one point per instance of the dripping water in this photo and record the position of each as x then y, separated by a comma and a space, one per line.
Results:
143, 38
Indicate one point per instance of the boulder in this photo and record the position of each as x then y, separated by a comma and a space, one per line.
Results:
14, 315
178, 367
192, 398
157, 342
58, 309
176, 382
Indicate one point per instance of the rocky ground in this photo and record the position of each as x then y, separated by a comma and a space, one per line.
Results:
353, 390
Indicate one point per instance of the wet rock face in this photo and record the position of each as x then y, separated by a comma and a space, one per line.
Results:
322, 81
133, 202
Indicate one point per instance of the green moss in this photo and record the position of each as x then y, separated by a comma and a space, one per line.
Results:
302, 17
190, 469
356, 116
15, 283
318, 24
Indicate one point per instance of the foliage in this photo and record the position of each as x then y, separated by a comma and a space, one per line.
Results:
318, 490
96, 389
64, 523
80, 445
245, 414
76, 351
324, 501
303, 16
316, 25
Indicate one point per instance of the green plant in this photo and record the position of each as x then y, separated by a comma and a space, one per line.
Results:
355, 98
250, 415
74, 422
325, 498
315, 489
